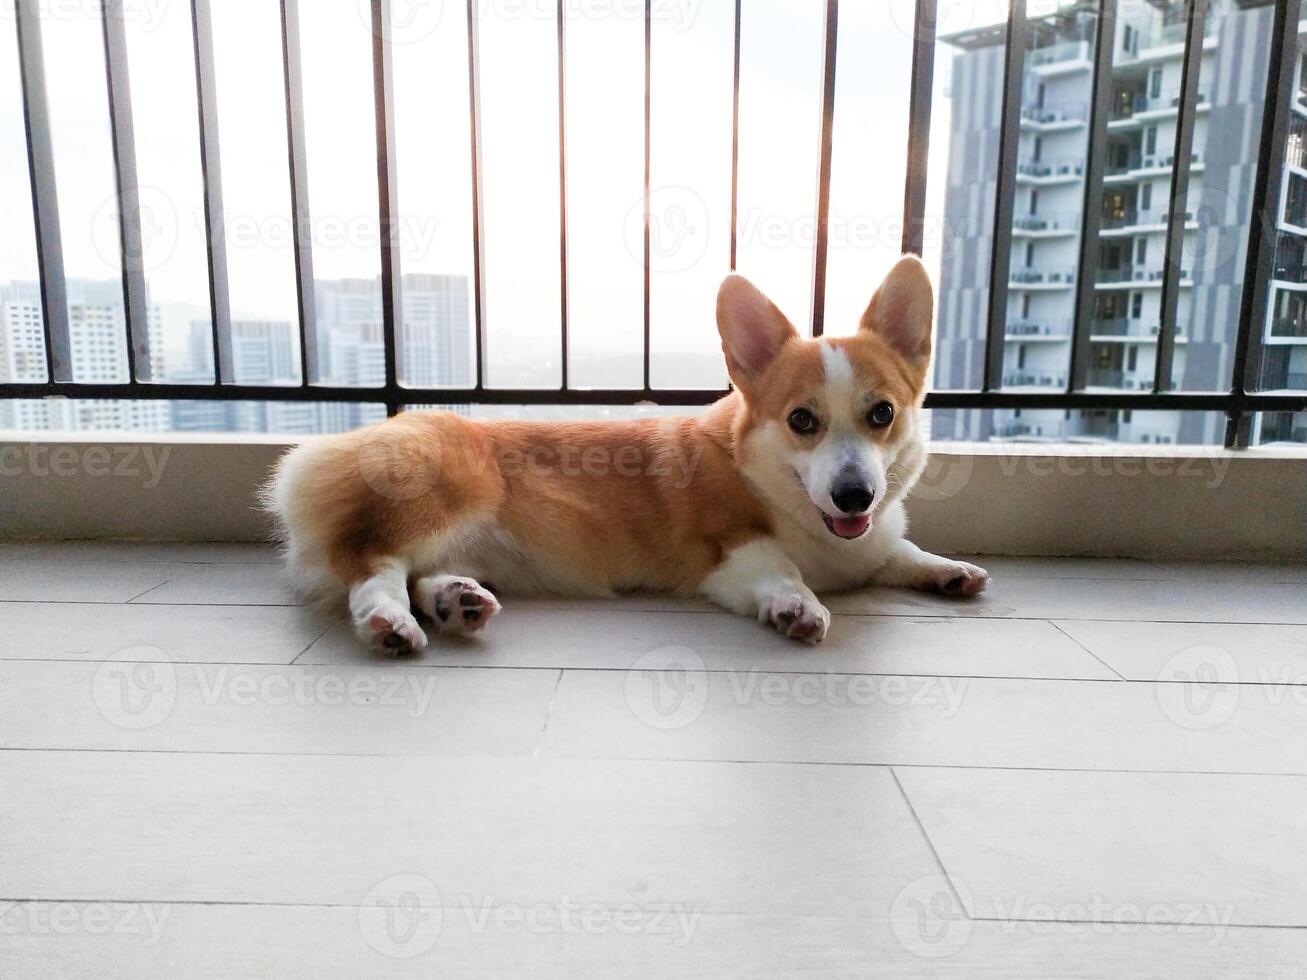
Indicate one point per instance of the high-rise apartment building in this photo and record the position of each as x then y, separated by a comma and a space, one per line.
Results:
1136, 202
435, 352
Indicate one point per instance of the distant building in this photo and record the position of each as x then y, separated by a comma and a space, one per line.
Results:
436, 352
1147, 55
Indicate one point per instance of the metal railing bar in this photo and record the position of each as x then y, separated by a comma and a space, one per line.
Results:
301, 215
127, 186
562, 191
919, 108
45, 196
648, 160
478, 233
1056, 400
1246, 361
387, 197
1000, 259
215, 239
1092, 215
822, 244
735, 138
1184, 145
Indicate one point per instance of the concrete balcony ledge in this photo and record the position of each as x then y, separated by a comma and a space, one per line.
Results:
1104, 500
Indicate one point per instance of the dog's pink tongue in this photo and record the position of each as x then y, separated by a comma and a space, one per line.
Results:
850, 527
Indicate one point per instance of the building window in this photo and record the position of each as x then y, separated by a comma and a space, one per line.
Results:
1145, 197
1136, 305
1131, 358
1141, 251
1150, 140
1155, 84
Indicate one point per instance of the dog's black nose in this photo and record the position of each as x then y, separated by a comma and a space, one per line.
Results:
852, 498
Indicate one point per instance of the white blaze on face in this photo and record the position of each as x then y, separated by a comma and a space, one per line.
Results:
846, 452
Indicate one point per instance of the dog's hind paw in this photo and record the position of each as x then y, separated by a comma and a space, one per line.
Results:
393, 630
455, 604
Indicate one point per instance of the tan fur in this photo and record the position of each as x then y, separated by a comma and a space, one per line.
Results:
617, 505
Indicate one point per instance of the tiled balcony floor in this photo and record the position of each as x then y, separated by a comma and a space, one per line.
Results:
1097, 769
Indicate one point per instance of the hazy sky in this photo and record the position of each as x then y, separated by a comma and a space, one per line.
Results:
691, 70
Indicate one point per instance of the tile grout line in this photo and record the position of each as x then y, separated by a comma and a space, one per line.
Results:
1054, 624
309, 646
549, 714
939, 862
145, 593
649, 760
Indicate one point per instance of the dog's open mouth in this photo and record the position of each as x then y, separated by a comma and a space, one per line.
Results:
847, 527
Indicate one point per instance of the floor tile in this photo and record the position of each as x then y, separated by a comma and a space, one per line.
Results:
196, 942
1068, 568
669, 709
759, 840
1235, 571
247, 585
56, 580
1110, 846
124, 705
216, 634
1052, 598
131, 551
1213, 652
530, 636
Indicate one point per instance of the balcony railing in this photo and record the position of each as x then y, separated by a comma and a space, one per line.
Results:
1128, 327
1067, 112
1038, 328
1135, 273
1070, 167
1286, 327
1067, 51
129, 213
1115, 378
1046, 222
1044, 275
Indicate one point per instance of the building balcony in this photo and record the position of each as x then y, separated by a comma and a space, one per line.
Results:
1060, 57
1290, 272
1125, 110
1021, 430
1065, 116
1032, 379
1035, 275
1038, 329
1045, 225
1282, 327
1050, 171
1148, 164
1136, 275
1116, 378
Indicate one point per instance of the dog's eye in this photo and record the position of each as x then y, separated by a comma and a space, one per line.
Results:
881, 415
803, 422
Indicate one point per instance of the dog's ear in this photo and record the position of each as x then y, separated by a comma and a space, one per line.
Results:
901, 311
753, 330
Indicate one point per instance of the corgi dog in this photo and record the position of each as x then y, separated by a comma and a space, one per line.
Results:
790, 485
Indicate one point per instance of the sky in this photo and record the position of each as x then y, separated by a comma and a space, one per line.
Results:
690, 158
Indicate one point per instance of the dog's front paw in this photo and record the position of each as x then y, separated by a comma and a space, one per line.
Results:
956, 578
454, 604
393, 630
799, 617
